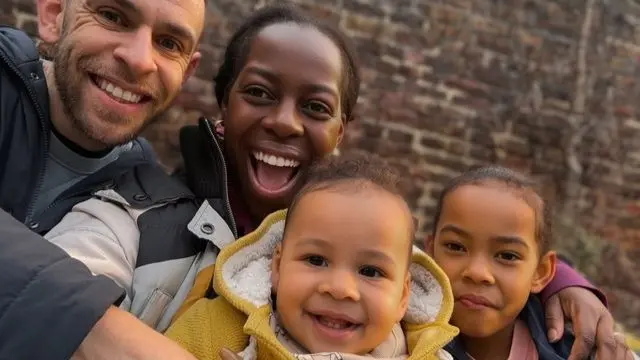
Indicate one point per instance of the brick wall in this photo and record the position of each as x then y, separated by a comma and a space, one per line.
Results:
547, 87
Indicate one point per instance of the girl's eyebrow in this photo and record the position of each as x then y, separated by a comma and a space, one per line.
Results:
456, 230
510, 240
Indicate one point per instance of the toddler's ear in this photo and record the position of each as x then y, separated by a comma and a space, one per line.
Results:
406, 294
275, 267
429, 242
545, 272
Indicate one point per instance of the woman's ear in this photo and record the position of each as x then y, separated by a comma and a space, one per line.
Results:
545, 272
341, 131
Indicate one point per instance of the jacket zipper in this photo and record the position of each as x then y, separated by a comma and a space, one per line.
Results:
43, 128
226, 180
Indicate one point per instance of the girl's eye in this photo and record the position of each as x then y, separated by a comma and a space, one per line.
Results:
316, 260
454, 247
370, 271
508, 256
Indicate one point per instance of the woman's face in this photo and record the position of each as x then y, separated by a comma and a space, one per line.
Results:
283, 113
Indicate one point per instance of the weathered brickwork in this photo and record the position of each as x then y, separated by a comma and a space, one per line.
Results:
547, 87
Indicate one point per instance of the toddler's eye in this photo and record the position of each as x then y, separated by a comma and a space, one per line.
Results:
370, 271
316, 260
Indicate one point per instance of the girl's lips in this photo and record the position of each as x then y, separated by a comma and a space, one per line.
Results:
475, 302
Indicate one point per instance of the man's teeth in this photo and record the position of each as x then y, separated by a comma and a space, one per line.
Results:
275, 160
118, 93
334, 323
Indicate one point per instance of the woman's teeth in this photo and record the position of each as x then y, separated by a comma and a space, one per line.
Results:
275, 160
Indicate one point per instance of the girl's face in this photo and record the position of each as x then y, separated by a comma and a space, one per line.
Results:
283, 113
485, 242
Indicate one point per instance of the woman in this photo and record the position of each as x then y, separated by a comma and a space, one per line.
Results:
287, 90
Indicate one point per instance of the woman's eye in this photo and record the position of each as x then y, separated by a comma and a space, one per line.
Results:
316, 260
370, 271
318, 107
258, 93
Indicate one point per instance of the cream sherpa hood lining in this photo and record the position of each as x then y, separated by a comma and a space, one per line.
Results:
247, 275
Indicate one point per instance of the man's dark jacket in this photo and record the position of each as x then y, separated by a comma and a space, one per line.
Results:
48, 301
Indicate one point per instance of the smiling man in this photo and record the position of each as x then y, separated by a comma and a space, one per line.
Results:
68, 128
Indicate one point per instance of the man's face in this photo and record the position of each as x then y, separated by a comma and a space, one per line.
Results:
118, 63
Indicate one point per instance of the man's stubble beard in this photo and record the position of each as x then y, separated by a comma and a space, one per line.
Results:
69, 87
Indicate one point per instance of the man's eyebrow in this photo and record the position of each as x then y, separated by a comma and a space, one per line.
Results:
180, 32
172, 28
128, 5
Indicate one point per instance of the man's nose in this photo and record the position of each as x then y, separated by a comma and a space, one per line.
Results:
138, 53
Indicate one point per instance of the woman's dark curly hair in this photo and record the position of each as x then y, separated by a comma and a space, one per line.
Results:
238, 48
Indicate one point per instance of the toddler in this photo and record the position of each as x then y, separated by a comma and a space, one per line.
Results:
341, 280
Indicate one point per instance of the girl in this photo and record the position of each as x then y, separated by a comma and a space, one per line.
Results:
492, 237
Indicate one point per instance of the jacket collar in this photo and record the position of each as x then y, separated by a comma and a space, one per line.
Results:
242, 277
533, 316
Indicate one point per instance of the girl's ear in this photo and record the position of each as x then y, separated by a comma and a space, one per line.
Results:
545, 272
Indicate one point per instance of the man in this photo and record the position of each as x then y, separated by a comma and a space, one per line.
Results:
67, 128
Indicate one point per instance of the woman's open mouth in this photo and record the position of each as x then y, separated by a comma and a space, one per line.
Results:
273, 175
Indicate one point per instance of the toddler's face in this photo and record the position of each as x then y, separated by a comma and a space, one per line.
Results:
485, 242
341, 276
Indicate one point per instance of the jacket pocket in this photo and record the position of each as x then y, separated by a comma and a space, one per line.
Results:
155, 307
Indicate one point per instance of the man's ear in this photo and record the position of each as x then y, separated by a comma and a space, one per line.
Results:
275, 267
545, 272
193, 65
50, 19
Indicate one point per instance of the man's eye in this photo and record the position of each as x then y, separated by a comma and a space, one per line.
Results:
169, 44
111, 16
